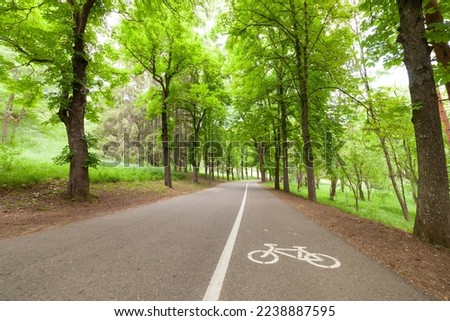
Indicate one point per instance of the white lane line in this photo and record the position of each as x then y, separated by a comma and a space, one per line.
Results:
215, 286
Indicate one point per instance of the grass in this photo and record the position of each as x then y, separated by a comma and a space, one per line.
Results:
30, 161
27, 172
383, 206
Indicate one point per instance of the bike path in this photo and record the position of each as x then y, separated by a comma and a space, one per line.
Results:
163, 251
170, 250
267, 219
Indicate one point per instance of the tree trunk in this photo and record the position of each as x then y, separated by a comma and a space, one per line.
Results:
277, 157
411, 171
194, 154
72, 115
284, 138
277, 166
401, 196
400, 199
333, 188
441, 49
261, 149
443, 115
353, 188
299, 178
242, 166
195, 174
432, 222
301, 59
165, 141
359, 182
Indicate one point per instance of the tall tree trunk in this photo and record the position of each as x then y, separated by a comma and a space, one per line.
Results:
359, 182
411, 171
333, 188
441, 49
72, 115
400, 196
353, 188
261, 149
229, 165
165, 141
432, 222
284, 138
400, 199
301, 59
299, 178
195, 174
194, 157
443, 114
277, 166
277, 157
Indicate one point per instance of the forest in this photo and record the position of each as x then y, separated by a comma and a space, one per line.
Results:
343, 102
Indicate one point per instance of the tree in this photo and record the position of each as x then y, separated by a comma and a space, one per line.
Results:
160, 40
200, 96
263, 96
310, 29
433, 208
56, 34
375, 124
439, 37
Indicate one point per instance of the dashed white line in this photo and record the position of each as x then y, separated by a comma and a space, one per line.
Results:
215, 286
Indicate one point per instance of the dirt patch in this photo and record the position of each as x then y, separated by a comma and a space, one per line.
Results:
33, 208
419, 263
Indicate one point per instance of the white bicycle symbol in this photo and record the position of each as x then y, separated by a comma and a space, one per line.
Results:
270, 256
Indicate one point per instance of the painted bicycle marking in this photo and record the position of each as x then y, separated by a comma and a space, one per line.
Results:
272, 255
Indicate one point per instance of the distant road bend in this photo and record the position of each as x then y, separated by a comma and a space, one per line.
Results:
236, 241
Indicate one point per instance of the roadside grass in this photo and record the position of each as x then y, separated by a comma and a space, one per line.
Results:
28, 172
383, 206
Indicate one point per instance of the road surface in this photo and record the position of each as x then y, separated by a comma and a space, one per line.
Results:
196, 247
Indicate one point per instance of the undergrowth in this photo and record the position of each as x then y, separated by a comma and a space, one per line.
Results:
383, 206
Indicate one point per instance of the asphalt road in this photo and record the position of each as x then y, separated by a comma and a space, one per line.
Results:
195, 247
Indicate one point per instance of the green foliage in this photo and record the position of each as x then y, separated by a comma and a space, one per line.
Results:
382, 208
64, 157
93, 160
8, 154
381, 27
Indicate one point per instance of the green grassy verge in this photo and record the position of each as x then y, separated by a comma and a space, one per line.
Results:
383, 206
27, 172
